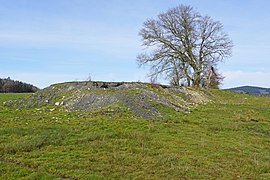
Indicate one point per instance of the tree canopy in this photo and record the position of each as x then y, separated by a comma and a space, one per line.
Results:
8, 85
184, 46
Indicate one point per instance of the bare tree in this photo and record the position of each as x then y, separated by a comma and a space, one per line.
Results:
183, 45
212, 79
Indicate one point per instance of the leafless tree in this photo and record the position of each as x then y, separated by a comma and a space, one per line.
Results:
212, 79
183, 45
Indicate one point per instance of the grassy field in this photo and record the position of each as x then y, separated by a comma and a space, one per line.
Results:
226, 139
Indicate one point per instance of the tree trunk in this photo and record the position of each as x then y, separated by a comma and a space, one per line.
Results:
188, 82
197, 79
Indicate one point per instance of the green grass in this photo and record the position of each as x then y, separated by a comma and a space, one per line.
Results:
226, 139
11, 96
10, 171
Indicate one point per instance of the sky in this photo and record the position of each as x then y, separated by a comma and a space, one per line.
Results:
51, 41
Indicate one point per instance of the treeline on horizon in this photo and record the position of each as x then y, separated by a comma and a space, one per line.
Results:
8, 85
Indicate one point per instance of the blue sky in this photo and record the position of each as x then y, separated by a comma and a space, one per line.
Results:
50, 41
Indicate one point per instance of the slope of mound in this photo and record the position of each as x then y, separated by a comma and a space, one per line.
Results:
142, 99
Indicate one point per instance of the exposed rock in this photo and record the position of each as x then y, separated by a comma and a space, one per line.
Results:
142, 99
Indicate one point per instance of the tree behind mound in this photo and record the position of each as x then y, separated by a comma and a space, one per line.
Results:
185, 47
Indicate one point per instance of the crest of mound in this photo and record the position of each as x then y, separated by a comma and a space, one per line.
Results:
142, 99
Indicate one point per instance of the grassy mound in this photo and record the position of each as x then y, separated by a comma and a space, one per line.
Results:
141, 99
226, 139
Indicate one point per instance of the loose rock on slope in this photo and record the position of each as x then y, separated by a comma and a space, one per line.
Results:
142, 99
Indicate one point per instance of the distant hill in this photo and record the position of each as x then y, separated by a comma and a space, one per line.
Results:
12, 86
251, 90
